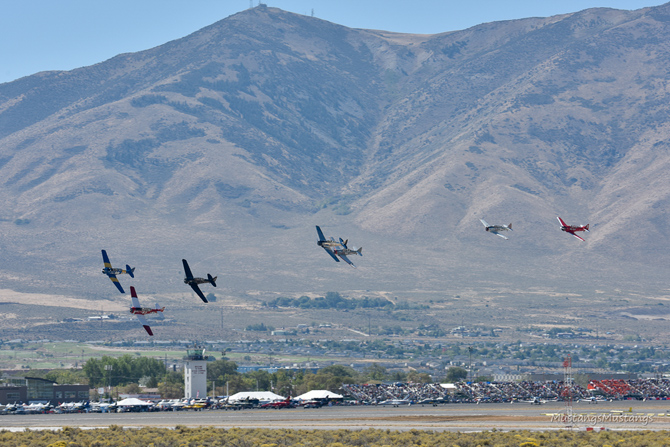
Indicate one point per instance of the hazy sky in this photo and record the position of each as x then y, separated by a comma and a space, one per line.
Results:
39, 35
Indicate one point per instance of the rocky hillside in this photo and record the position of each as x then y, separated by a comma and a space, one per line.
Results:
227, 146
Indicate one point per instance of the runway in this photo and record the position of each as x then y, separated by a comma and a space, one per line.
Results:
621, 415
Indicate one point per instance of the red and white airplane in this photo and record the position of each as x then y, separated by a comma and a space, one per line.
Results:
572, 229
140, 312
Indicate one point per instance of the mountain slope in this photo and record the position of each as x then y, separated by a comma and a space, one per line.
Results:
229, 145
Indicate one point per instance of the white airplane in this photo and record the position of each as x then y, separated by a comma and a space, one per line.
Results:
395, 402
37, 408
496, 229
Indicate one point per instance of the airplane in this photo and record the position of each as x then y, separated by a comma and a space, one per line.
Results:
337, 248
395, 402
140, 312
286, 403
112, 272
193, 282
594, 400
496, 229
37, 408
573, 228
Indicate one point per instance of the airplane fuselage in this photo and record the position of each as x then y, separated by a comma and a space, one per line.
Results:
112, 271
494, 228
573, 228
190, 281
345, 251
145, 310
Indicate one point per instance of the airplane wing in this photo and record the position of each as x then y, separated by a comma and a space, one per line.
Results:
320, 233
144, 323
561, 222
198, 292
105, 259
484, 222
498, 234
116, 282
578, 237
330, 252
347, 260
187, 269
133, 295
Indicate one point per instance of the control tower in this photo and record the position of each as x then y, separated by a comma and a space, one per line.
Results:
195, 373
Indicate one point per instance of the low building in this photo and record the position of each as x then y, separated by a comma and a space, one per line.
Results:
10, 394
35, 389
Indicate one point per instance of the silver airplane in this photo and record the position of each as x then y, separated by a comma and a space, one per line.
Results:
337, 248
496, 229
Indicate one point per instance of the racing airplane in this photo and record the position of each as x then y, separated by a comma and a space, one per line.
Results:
496, 229
337, 248
140, 311
572, 229
112, 272
193, 282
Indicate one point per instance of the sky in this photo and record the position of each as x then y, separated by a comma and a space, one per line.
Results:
41, 35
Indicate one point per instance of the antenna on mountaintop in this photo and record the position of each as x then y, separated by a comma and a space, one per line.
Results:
251, 4
312, 12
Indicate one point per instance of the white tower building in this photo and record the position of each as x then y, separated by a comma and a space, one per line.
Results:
195, 373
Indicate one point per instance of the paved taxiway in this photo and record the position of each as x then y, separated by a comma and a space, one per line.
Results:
463, 417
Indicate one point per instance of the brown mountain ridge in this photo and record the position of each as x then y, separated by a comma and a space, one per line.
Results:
227, 146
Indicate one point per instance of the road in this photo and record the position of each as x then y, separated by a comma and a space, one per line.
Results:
461, 417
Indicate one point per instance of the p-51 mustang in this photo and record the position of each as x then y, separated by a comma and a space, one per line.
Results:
337, 248
112, 272
140, 312
193, 282
496, 229
573, 228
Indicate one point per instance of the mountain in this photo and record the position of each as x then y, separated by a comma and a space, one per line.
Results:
227, 146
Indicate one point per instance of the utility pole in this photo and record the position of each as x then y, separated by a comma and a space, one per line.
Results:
109, 379
470, 362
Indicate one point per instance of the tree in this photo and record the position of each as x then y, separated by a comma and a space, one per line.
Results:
417, 377
172, 386
219, 369
456, 374
67, 376
131, 388
121, 371
375, 372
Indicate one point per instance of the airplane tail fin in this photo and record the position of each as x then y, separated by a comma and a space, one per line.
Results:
509, 226
360, 251
587, 227
130, 271
344, 243
212, 280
